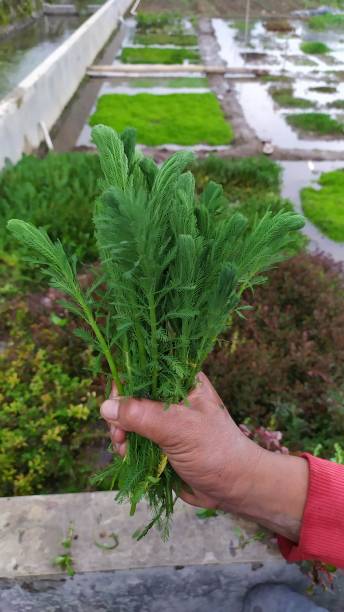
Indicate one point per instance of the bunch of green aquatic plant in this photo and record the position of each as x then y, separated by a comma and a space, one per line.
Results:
173, 268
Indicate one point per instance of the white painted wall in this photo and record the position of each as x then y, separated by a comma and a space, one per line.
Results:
44, 93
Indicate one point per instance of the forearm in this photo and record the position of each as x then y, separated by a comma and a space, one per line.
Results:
274, 494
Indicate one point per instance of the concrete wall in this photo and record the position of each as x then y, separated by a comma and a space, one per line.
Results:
44, 93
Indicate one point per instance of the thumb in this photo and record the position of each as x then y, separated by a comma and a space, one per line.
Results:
142, 416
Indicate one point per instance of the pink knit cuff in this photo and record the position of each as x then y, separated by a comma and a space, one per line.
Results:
322, 529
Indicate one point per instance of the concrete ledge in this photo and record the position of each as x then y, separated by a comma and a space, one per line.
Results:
43, 95
32, 529
207, 565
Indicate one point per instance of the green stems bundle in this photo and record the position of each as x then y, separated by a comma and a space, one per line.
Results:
173, 268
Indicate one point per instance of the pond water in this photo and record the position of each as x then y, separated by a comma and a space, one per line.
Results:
25, 50
280, 49
269, 122
296, 176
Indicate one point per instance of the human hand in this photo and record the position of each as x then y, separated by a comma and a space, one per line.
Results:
221, 466
202, 442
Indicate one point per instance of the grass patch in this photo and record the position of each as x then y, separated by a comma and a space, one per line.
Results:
149, 20
157, 38
313, 47
326, 89
316, 123
285, 97
151, 55
325, 206
326, 22
176, 83
339, 104
185, 119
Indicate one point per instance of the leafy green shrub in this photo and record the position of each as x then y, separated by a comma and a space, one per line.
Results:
327, 21
313, 47
240, 178
153, 55
49, 407
282, 367
58, 193
180, 40
285, 97
184, 119
316, 123
324, 207
252, 185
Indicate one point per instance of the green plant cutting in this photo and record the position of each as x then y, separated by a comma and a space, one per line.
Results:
173, 268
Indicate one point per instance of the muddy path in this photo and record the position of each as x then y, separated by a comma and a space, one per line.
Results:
225, 8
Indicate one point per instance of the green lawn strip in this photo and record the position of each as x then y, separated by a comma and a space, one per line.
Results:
326, 22
312, 47
157, 38
184, 119
152, 55
325, 207
285, 97
316, 123
175, 83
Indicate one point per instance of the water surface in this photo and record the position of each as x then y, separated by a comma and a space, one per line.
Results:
25, 50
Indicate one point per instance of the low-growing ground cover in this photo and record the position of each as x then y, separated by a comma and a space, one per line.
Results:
282, 368
180, 40
314, 47
49, 404
285, 97
185, 119
325, 206
320, 124
328, 21
154, 55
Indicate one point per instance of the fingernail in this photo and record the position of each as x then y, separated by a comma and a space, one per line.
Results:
110, 410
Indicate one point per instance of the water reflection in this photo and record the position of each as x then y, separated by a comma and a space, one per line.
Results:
25, 50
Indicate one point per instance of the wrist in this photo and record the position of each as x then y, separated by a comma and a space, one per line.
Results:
271, 490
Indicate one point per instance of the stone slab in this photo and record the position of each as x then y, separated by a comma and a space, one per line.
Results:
32, 529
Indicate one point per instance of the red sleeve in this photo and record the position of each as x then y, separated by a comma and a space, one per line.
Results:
322, 529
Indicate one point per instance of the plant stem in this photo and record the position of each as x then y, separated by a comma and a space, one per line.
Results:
102, 343
152, 316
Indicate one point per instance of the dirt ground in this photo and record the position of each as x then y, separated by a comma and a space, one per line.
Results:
228, 8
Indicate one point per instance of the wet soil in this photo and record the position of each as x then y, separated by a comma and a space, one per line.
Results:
225, 8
